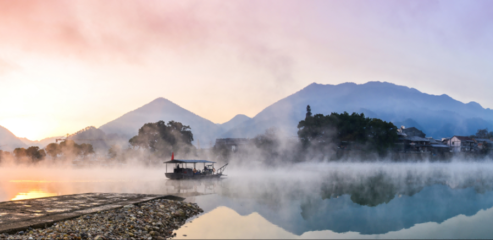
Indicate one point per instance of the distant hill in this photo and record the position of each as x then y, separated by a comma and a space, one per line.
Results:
91, 135
129, 124
234, 122
41, 143
437, 116
8, 141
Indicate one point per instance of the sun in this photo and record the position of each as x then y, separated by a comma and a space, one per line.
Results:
26, 127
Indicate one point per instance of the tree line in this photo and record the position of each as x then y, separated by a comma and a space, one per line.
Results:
155, 142
318, 137
483, 133
34, 154
320, 133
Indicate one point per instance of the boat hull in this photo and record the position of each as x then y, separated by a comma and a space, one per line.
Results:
177, 176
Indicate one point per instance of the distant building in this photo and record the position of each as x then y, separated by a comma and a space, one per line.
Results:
462, 144
230, 143
484, 144
411, 132
414, 140
417, 144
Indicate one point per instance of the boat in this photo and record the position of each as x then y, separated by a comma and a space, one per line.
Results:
182, 170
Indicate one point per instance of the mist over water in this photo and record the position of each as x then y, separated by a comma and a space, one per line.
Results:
295, 180
366, 199
348, 200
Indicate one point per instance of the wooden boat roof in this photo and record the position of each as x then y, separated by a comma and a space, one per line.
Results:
188, 161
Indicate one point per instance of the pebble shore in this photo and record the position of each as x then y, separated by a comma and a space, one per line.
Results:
150, 220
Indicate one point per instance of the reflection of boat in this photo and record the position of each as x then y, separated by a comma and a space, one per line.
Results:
191, 188
182, 170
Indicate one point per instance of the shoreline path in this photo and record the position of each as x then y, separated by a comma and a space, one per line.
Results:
145, 217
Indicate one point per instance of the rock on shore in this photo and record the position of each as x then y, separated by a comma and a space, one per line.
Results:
150, 220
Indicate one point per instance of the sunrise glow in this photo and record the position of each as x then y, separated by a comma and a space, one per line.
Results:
33, 194
94, 62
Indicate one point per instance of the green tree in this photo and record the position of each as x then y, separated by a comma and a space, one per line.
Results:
4, 155
85, 149
381, 135
69, 148
114, 151
320, 131
53, 149
162, 138
34, 153
20, 153
483, 133
42, 154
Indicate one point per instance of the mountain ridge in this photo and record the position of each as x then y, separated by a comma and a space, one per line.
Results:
436, 115
161, 109
8, 141
387, 101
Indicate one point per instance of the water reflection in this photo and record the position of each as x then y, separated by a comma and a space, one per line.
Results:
192, 188
322, 201
27, 189
225, 223
373, 203
33, 194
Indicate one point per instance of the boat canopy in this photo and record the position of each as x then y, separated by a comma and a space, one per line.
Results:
188, 161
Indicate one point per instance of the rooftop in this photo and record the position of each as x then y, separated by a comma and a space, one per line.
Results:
462, 138
417, 139
188, 161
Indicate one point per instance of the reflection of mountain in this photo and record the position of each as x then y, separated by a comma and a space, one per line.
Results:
363, 199
435, 203
372, 190
225, 223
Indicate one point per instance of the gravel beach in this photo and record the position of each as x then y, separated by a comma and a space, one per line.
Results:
150, 220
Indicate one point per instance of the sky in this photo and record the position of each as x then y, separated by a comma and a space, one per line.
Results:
66, 65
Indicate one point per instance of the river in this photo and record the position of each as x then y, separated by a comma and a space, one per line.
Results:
350, 200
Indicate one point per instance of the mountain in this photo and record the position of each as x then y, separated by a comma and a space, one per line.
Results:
437, 116
8, 141
234, 122
40, 143
91, 135
129, 124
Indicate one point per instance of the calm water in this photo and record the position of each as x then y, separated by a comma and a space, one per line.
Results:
306, 201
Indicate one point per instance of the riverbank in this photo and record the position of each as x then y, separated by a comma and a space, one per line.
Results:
156, 219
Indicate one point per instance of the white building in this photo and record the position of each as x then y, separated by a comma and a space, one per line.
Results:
462, 144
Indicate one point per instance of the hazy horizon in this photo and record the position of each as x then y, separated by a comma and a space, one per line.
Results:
62, 135
246, 119
72, 64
